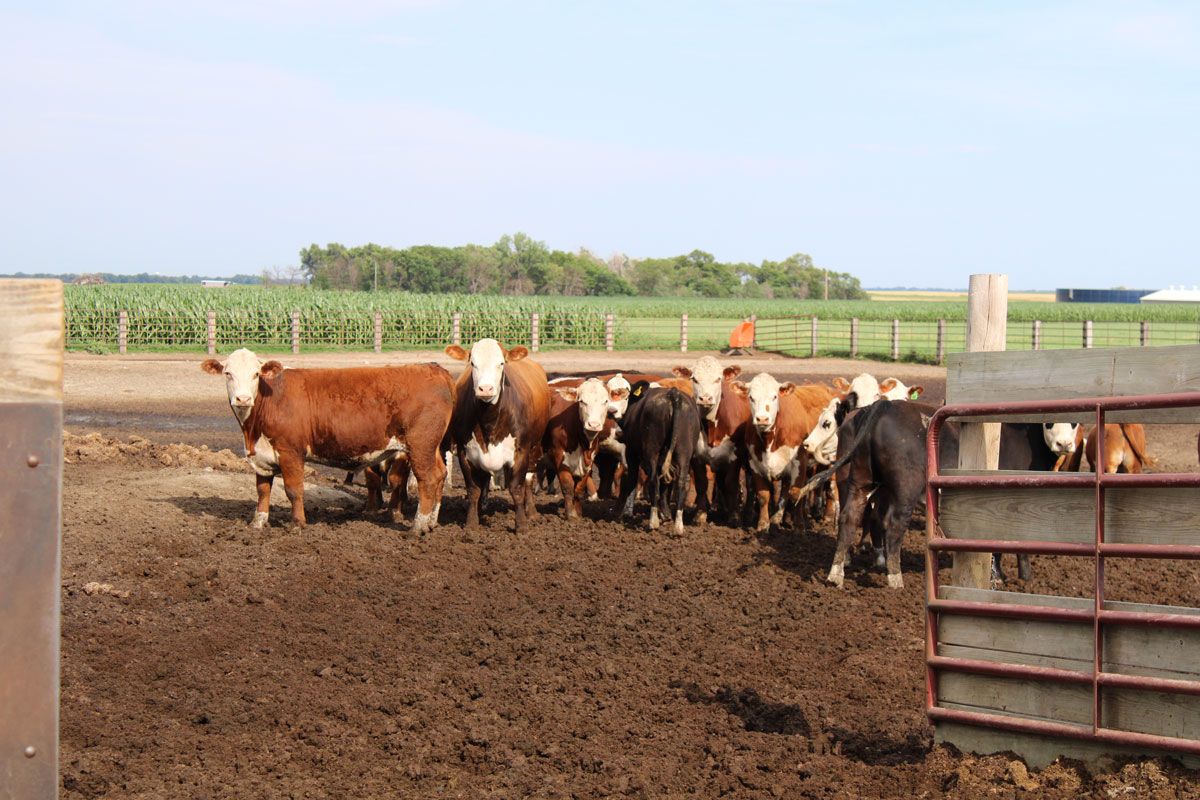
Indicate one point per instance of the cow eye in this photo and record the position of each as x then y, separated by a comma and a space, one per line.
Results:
826, 424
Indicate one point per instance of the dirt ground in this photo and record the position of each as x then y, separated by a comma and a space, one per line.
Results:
203, 659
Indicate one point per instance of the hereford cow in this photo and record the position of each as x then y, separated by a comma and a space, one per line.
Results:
894, 389
502, 403
349, 418
661, 431
782, 416
1124, 447
577, 426
724, 416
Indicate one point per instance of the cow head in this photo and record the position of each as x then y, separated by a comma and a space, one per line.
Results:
707, 379
764, 393
894, 389
242, 371
865, 389
618, 395
592, 399
821, 442
487, 359
1060, 436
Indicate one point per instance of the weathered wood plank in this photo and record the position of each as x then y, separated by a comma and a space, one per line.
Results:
1059, 702
1072, 374
31, 340
1132, 515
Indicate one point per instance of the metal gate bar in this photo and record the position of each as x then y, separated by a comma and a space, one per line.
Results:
1098, 616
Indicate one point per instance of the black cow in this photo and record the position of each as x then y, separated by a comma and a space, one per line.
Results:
660, 428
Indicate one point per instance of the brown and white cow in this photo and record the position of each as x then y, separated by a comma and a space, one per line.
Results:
782, 416
349, 418
577, 426
724, 416
502, 403
1124, 447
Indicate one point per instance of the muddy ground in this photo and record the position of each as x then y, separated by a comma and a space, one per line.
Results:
202, 659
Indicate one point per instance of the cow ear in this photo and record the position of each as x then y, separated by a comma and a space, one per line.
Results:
619, 394
456, 352
841, 384
516, 354
786, 388
731, 372
270, 370
739, 388
212, 366
886, 385
915, 391
570, 394
681, 372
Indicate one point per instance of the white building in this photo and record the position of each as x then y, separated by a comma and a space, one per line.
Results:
1175, 294
216, 283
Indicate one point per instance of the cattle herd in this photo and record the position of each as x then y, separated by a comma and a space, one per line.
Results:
749, 453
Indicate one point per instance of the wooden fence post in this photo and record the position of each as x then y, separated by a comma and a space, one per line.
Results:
941, 341
1087, 333
754, 330
534, 336
378, 332
608, 332
212, 333
1037, 334
853, 337
31, 361
979, 443
122, 331
895, 340
683, 344
1144, 334
813, 344
295, 331
456, 329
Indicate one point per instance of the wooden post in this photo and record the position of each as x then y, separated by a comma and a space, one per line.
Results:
456, 329
1144, 334
754, 330
941, 341
853, 337
212, 333
683, 333
979, 443
534, 336
895, 340
1087, 333
813, 344
378, 332
295, 331
31, 363
1037, 334
608, 332
122, 331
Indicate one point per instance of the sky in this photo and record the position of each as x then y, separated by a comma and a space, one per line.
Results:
910, 144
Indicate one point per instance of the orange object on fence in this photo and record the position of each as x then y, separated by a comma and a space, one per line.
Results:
742, 336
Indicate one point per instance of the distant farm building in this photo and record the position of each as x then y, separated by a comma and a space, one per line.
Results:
1175, 294
1100, 295
216, 283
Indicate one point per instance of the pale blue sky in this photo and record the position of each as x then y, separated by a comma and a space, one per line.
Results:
907, 143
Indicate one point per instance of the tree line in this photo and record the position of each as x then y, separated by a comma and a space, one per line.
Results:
521, 265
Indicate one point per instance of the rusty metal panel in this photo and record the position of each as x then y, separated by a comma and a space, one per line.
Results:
30, 544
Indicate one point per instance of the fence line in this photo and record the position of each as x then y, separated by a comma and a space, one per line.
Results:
801, 336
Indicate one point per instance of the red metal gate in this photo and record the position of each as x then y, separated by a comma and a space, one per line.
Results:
1099, 616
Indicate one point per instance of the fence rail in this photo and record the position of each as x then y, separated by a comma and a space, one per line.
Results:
801, 336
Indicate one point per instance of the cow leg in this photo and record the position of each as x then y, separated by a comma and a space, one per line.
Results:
895, 521
566, 482
374, 483
762, 490
628, 493
263, 510
430, 472
997, 568
1024, 569
292, 467
681, 492
700, 477
473, 481
581, 488
606, 465
652, 490
850, 522
518, 489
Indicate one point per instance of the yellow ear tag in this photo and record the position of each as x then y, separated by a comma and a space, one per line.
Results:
913, 395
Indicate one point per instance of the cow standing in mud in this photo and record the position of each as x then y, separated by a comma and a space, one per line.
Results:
661, 431
502, 404
348, 418
724, 417
578, 425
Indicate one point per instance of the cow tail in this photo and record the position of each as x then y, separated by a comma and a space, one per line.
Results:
823, 477
1140, 455
666, 469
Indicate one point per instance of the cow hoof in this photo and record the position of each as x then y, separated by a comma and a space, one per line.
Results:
593, 497
423, 523
679, 523
880, 559
702, 518
837, 575
259, 521
895, 581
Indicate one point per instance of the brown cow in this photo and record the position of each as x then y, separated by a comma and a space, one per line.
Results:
577, 426
501, 407
782, 416
1124, 447
348, 418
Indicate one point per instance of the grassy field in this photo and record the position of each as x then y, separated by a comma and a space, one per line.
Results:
926, 296
175, 317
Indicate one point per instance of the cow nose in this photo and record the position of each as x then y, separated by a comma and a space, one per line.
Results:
593, 426
485, 391
762, 420
242, 399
